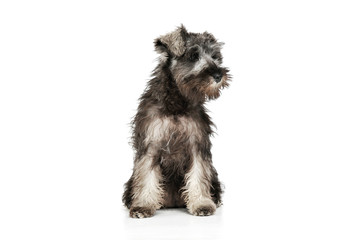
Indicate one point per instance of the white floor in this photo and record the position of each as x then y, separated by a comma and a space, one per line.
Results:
257, 214
174, 224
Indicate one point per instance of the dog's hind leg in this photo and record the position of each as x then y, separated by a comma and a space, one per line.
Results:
216, 188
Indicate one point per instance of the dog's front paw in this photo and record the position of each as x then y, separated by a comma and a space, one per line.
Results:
141, 212
203, 208
204, 211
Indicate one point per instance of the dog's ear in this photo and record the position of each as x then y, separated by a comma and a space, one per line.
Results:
173, 43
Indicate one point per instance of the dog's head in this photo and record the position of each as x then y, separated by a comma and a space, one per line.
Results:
195, 62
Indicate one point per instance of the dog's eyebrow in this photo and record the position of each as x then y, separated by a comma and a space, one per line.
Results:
196, 46
212, 49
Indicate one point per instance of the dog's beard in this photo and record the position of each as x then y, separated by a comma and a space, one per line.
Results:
200, 89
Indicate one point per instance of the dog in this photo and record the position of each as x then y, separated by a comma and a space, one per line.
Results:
171, 129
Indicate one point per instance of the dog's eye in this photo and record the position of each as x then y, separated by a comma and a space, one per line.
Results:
194, 56
215, 56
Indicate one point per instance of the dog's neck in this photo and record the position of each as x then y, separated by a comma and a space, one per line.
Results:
172, 101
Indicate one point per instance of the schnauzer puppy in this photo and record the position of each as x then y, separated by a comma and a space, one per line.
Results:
171, 130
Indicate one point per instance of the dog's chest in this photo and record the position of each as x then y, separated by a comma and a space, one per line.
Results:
173, 134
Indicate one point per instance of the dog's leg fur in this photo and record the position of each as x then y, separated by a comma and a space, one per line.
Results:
197, 186
146, 187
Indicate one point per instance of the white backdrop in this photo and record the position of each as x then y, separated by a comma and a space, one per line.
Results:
288, 140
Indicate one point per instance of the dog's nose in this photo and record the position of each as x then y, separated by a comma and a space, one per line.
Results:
217, 77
